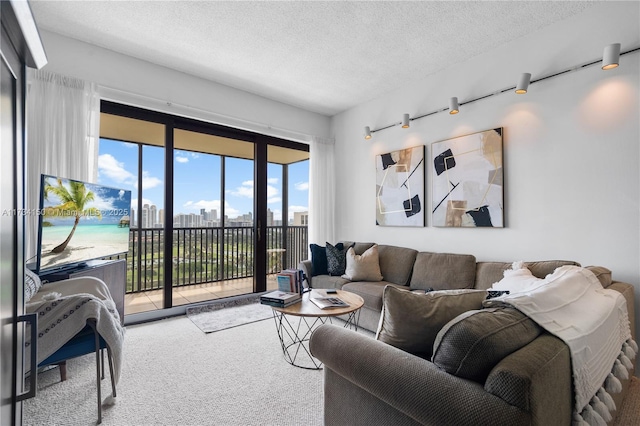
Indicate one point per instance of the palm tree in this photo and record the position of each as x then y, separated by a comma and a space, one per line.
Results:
72, 204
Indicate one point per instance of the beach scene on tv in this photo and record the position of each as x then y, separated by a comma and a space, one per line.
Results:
81, 221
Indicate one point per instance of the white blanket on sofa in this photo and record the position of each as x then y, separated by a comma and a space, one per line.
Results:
571, 304
63, 309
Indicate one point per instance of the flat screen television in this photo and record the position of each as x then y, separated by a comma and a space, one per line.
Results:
80, 221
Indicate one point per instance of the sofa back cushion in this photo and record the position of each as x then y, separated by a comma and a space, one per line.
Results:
359, 248
443, 271
396, 263
411, 321
470, 345
488, 273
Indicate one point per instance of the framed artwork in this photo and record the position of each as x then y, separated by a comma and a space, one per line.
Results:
467, 181
400, 188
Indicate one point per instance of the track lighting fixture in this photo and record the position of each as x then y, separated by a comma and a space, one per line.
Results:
454, 108
610, 60
405, 121
611, 56
523, 83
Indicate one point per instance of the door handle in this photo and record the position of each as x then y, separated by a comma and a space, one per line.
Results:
259, 228
31, 319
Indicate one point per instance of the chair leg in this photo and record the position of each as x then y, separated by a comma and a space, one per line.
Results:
97, 337
102, 362
113, 383
63, 370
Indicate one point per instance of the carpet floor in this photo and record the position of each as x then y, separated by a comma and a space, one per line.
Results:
174, 374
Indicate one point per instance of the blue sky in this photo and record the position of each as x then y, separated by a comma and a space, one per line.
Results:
197, 180
112, 203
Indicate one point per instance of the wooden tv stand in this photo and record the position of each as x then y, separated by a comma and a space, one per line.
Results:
112, 272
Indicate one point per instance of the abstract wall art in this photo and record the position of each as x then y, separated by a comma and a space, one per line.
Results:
400, 188
467, 181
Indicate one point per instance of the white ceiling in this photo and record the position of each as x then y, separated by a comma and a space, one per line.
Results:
322, 56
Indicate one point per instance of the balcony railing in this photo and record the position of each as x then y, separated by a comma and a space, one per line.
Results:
205, 255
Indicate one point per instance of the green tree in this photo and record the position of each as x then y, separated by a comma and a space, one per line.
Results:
72, 203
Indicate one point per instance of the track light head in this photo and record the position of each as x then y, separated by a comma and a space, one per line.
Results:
454, 107
611, 56
405, 121
523, 83
367, 132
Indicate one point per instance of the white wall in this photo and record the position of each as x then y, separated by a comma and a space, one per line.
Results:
136, 82
571, 151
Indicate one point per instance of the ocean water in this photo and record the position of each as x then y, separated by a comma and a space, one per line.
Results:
92, 234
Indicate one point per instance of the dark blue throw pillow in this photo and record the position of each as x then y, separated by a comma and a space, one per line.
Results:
337, 258
318, 260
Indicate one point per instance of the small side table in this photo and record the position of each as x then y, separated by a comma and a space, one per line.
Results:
294, 335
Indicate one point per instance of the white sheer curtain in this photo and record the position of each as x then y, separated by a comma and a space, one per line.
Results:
321, 191
63, 130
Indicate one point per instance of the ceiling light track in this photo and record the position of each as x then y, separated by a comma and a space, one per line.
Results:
610, 60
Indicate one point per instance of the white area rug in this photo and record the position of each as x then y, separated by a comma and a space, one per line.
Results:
174, 374
216, 317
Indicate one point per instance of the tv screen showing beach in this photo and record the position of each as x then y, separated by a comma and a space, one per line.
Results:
81, 221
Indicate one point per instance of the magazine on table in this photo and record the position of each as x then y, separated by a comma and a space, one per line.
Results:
329, 302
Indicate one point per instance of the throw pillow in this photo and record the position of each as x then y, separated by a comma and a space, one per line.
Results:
470, 345
516, 280
411, 321
32, 284
318, 260
336, 258
363, 267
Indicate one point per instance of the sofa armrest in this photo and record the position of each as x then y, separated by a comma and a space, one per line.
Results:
627, 292
306, 266
537, 379
413, 386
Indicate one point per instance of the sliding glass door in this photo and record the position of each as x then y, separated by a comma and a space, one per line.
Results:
211, 209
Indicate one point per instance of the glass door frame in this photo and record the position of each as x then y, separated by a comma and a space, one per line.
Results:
260, 143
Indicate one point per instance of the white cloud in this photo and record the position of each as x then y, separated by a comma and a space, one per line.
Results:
302, 186
182, 159
272, 181
121, 194
114, 170
148, 181
246, 190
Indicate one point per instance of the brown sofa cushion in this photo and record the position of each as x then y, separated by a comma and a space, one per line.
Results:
488, 273
411, 321
442, 271
471, 344
396, 263
370, 291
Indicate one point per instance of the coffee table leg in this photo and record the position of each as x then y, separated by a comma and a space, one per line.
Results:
293, 338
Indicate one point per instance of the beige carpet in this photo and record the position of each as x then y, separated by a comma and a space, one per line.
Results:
174, 374
629, 414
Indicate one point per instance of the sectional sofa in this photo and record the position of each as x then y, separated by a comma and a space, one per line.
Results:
370, 382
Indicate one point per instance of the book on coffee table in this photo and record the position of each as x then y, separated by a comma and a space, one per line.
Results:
329, 302
280, 298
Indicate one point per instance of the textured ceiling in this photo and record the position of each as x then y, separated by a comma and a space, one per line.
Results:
321, 56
